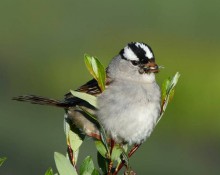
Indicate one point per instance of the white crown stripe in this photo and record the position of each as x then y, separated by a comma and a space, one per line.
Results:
148, 54
128, 53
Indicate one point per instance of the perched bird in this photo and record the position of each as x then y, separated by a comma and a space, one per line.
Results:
129, 107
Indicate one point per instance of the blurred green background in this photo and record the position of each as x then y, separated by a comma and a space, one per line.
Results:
42, 44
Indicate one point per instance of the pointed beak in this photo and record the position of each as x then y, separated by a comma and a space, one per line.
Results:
151, 67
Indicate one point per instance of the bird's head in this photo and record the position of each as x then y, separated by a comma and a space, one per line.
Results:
140, 55
135, 62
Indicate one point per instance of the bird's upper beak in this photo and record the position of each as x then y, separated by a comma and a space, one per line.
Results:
151, 67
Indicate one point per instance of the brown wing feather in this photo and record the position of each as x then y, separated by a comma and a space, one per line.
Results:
91, 87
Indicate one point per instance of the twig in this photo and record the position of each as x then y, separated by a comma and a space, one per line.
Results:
132, 151
112, 144
70, 153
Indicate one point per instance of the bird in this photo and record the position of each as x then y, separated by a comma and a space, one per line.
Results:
129, 107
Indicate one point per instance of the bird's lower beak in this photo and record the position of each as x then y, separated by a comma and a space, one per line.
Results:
151, 67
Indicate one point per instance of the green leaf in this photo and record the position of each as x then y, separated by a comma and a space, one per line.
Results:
2, 160
125, 158
49, 172
95, 172
171, 95
96, 69
101, 148
115, 156
87, 166
66, 125
63, 165
73, 135
165, 87
168, 92
175, 79
172, 86
116, 152
86, 97
74, 138
103, 163
172, 83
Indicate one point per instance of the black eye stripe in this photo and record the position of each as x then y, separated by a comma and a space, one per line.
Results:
134, 62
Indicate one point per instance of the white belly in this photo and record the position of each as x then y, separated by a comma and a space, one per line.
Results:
129, 117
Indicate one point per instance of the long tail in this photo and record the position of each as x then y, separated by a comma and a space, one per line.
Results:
40, 100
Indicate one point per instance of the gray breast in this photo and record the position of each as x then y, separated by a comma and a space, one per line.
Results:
128, 111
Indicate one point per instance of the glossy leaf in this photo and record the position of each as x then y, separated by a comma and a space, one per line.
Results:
63, 165
95, 172
164, 88
86, 97
101, 148
2, 160
49, 172
125, 158
116, 152
96, 69
74, 138
66, 124
168, 92
103, 163
87, 166
172, 85
171, 95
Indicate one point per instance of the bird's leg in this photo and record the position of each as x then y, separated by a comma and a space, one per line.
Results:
134, 149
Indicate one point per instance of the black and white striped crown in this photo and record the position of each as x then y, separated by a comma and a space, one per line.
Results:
136, 51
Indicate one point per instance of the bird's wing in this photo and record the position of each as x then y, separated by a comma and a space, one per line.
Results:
91, 87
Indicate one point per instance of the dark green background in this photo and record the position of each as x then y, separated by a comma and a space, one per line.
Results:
42, 44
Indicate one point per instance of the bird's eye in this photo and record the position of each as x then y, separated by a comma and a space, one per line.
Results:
135, 63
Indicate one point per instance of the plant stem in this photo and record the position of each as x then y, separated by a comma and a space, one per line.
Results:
132, 151
112, 144
70, 153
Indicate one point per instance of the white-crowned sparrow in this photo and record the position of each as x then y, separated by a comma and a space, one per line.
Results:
129, 107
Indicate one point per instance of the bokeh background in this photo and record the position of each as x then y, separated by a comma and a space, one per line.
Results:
42, 44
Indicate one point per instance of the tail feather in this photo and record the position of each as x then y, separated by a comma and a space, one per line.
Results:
40, 100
